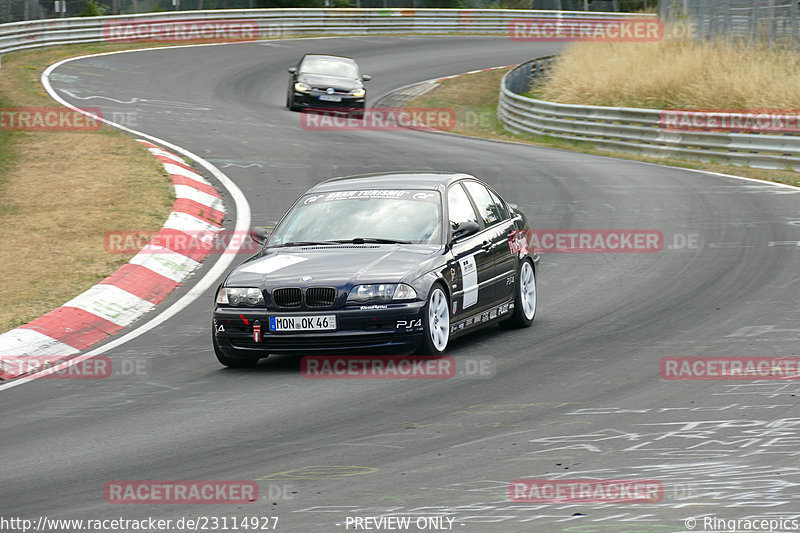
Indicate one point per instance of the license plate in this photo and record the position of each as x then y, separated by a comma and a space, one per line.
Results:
302, 323
330, 97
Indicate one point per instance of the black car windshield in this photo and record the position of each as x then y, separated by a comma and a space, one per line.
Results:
375, 215
329, 67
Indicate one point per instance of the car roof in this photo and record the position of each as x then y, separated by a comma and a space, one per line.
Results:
393, 180
330, 58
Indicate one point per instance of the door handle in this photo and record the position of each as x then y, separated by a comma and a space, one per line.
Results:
487, 245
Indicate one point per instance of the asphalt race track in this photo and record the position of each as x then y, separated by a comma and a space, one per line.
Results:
577, 396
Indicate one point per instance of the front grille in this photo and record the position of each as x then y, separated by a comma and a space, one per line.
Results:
335, 90
320, 296
289, 297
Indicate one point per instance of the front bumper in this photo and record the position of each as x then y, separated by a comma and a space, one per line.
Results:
397, 327
311, 100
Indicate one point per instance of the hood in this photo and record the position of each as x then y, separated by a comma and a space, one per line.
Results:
334, 266
340, 84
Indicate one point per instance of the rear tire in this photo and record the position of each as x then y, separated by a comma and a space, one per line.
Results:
435, 323
232, 362
525, 298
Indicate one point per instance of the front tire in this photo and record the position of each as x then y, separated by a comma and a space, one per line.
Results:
435, 323
525, 298
357, 114
290, 103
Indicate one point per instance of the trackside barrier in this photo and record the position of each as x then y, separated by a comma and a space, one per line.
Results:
274, 23
633, 130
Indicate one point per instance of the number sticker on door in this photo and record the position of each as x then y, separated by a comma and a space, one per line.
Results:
469, 280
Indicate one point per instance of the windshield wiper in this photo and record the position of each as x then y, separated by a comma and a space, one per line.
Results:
307, 243
363, 240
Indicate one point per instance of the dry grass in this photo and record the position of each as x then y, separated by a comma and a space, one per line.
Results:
476, 94
60, 193
676, 74
472, 97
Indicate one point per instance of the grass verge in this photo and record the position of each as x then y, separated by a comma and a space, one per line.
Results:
60, 192
676, 74
473, 97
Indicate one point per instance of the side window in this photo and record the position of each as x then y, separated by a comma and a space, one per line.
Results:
489, 211
459, 207
501, 207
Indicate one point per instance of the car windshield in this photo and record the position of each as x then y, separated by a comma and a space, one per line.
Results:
375, 215
329, 67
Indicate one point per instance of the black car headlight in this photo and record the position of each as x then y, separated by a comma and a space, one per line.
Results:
381, 292
240, 296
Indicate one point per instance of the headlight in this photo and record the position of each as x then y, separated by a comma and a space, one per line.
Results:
384, 292
301, 87
358, 93
237, 296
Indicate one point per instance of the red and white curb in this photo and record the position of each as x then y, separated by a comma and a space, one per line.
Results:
132, 290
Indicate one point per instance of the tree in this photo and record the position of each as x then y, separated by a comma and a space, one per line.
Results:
92, 9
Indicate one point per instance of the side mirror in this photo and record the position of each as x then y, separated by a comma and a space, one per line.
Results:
366, 77
259, 235
292, 70
465, 229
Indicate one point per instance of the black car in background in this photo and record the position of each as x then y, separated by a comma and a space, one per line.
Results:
326, 82
386, 262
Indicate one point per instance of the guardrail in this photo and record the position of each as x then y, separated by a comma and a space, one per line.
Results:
633, 130
273, 23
